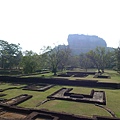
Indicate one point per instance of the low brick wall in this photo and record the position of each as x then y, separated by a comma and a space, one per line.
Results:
56, 115
59, 81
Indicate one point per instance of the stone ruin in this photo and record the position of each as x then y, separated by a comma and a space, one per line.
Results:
38, 87
8, 112
17, 100
94, 97
76, 74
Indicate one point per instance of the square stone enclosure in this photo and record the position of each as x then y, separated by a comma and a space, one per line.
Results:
94, 97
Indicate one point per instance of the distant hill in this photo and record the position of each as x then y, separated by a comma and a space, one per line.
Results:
80, 43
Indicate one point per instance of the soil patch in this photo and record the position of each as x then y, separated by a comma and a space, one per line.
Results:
11, 116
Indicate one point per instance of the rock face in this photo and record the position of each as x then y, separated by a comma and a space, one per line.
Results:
84, 43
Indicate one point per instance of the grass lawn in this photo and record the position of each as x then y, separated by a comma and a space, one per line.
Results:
115, 77
8, 85
77, 108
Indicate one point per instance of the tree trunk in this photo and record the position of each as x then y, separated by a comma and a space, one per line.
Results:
54, 71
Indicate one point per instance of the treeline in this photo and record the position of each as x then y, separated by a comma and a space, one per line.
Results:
56, 59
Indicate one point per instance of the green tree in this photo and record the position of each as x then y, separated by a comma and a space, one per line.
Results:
100, 57
73, 61
10, 54
57, 57
84, 61
43, 58
29, 62
65, 54
117, 51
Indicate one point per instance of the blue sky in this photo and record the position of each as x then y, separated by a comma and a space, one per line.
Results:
38, 23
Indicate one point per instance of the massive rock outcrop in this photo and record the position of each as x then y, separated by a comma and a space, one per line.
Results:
84, 43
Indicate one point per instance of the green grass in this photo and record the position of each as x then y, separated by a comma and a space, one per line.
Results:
115, 77
77, 108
